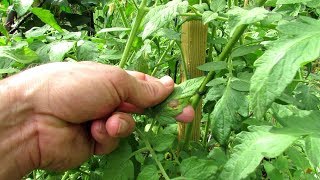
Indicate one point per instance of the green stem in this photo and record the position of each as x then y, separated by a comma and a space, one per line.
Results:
66, 175
83, 172
135, 4
236, 2
176, 159
153, 122
154, 155
185, 74
138, 151
122, 14
229, 3
141, 12
162, 57
205, 137
213, 34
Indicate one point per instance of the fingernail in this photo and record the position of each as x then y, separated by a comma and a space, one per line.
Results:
123, 127
166, 81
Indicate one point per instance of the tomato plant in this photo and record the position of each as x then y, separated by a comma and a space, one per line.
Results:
259, 90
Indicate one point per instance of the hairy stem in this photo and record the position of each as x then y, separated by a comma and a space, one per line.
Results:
141, 12
122, 14
162, 57
154, 155
205, 137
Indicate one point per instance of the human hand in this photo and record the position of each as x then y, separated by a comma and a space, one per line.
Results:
69, 111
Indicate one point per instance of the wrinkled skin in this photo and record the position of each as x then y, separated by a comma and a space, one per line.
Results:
56, 116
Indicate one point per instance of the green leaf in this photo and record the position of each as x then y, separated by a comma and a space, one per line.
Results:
218, 5
8, 71
55, 51
240, 85
301, 122
298, 158
87, 50
113, 29
195, 168
218, 155
216, 82
149, 172
291, 1
119, 167
213, 66
208, 16
4, 31
253, 147
312, 149
272, 172
168, 33
174, 104
21, 54
22, 6
47, 17
313, 3
240, 16
272, 74
162, 142
244, 50
305, 95
225, 114
37, 31
160, 16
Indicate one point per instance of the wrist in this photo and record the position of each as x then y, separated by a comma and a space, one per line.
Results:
18, 132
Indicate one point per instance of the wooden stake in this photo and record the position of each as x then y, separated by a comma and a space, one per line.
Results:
193, 44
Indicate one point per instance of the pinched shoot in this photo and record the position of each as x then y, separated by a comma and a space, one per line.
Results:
165, 112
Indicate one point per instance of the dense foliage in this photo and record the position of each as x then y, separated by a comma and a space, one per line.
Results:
260, 112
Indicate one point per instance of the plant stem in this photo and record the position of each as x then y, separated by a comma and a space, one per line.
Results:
162, 57
152, 124
154, 155
236, 2
138, 151
66, 175
122, 14
205, 137
185, 74
141, 12
195, 99
213, 35
135, 4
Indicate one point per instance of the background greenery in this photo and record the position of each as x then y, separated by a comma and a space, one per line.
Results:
260, 112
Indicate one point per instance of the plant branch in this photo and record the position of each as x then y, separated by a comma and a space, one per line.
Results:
138, 151
141, 12
122, 14
154, 155
162, 57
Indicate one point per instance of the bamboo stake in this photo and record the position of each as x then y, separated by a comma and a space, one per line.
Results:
193, 44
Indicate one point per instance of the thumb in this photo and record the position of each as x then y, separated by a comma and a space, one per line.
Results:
147, 91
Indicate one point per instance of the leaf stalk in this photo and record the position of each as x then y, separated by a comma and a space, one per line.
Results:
141, 13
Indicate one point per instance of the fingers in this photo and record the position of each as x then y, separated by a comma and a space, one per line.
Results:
146, 91
120, 125
186, 115
107, 133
